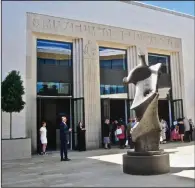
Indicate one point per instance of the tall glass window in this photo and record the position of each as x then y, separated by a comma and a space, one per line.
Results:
54, 53
54, 64
112, 89
157, 58
113, 58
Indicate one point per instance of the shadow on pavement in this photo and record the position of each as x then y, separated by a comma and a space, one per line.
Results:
180, 169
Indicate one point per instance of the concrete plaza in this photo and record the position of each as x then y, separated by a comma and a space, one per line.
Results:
97, 168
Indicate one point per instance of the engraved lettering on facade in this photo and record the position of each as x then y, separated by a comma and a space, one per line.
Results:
161, 40
36, 22
152, 40
126, 35
57, 24
90, 30
104, 32
78, 27
109, 33
65, 25
170, 42
138, 36
100, 31
48, 24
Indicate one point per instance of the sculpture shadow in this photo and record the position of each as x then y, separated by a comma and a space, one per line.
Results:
180, 169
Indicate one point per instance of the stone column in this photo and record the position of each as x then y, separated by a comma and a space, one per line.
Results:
176, 80
77, 68
176, 75
132, 61
31, 100
92, 93
78, 102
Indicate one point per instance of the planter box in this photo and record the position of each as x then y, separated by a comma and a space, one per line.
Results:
19, 148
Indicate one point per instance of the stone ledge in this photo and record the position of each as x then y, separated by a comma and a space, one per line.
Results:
16, 148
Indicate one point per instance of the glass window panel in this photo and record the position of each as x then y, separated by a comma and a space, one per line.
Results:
107, 89
53, 89
101, 89
163, 69
59, 52
117, 64
50, 61
112, 58
64, 89
113, 89
64, 62
106, 64
155, 58
120, 89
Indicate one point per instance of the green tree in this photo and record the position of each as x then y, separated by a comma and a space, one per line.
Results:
12, 90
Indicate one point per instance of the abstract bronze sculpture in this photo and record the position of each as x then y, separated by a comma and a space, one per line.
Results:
147, 159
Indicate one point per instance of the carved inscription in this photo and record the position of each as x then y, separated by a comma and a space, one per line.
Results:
83, 29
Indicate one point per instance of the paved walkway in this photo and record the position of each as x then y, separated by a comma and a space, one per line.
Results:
97, 168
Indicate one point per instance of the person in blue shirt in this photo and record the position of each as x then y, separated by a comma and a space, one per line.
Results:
134, 121
64, 139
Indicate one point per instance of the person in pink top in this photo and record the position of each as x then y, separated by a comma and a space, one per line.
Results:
121, 137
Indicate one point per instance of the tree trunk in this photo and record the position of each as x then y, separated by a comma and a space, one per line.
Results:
10, 125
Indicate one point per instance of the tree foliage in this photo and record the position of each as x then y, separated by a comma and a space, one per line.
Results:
12, 90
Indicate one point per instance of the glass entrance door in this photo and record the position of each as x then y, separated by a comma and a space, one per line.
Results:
77, 115
105, 109
51, 110
47, 112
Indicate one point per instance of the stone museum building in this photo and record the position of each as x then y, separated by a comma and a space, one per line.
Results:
73, 57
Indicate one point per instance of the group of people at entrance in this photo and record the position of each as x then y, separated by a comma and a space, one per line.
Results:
182, 130
64, 138
119, 133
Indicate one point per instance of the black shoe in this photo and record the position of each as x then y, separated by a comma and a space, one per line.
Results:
63, 160
67, 159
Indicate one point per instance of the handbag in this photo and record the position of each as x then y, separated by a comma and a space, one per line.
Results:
119, 131
126, 144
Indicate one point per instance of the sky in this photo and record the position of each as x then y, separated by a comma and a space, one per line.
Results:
186, 7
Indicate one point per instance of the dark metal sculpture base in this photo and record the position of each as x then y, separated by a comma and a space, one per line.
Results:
146, 163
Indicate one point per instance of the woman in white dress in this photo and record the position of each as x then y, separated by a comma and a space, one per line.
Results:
43, 137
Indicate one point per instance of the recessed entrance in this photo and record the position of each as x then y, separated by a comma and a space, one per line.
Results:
51, 110
163, 110
113, 109
164, 113
117, 109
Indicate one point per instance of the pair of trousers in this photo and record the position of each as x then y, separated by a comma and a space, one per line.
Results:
121, 143
63, 150
130, 142
187, 136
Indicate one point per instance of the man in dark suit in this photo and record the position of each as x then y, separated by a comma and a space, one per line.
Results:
64, 139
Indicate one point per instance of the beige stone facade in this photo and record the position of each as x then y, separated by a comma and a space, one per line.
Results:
86, 38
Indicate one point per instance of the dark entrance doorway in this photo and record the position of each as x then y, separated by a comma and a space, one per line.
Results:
163, 110
117, 109
113, 109
51, 110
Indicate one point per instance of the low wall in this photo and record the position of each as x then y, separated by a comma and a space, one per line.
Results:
16, 149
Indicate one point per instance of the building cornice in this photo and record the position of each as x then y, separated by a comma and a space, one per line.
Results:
159, 9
